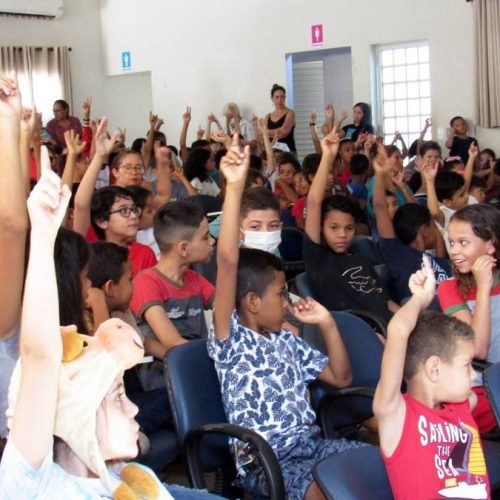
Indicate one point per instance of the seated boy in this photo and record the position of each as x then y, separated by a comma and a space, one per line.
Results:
169, 298
404, 237
428, 438
115, 218
264, 371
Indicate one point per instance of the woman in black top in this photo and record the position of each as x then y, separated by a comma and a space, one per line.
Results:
281, 122
361, 115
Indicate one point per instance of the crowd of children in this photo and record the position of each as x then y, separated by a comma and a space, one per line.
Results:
125, 265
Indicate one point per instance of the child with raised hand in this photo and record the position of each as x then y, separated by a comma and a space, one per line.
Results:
459, 141
330, 226
429, 440
473, 295
270, 367
80, 400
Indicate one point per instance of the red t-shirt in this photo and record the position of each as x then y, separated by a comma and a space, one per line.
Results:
439, 455
298, 211
344, 177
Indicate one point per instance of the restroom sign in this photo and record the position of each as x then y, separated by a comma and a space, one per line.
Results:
316, 35
126, 61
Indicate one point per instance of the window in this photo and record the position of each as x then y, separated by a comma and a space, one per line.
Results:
404, 90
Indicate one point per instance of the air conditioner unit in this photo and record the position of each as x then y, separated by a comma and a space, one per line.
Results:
38, 9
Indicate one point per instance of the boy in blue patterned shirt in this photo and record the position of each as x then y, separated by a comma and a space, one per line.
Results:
264, 371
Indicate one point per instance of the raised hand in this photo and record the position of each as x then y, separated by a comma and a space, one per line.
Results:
28, 121
263, 126
186, 117
429, 170
380, 163
153, 119
330, 143
103, 143
86, 108
234, 165
221, 137
163, 155
200, 132
313, 117
473, 150
342, 116
48, 201
483, 269
73, 143
10, 99
329, 112
422, 283
310, 312
428, 123
399, 179
158, 124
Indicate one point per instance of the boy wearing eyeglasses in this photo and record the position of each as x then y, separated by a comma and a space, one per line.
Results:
115, 218
169, 299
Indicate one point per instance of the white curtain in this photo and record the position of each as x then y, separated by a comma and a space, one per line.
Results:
487, 62
43, 74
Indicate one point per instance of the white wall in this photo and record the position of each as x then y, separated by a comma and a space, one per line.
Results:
80, 29
206, 53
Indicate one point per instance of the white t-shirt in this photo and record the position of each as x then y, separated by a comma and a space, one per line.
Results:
147, 237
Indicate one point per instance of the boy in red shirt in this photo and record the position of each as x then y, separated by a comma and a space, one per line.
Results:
429, 441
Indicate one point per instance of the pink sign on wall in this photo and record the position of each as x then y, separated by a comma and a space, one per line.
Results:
316, 35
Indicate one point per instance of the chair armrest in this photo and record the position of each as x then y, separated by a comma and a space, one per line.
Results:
372, 319
257, 445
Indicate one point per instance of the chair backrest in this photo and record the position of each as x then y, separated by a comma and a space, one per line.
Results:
362, 344
290, 247
366, 247
303, 285
195, 398
491, 382
207, 203
357, 474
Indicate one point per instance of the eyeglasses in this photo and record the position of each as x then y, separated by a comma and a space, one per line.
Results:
126, 211
130, 169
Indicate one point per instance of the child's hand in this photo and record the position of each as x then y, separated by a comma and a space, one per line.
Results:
330, 144
263, 126
428, 123
10, 98
429, 171
473, 150
28, 121
178, 173
310, 312
73, 143
313, 117
86, 107
329, 112
422, 284
48, 201
153, 119
222, 138
234, 165
342, 116
200, 132
380, 163
103, 143
163, 155
186, 117
482, 270
399, 179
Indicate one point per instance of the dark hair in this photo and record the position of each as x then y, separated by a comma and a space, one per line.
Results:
137, 144
176, 221
340, 203
158, 135
124, 152
71, 255
485, 222
427, 145
390, 149
218, 157
447, 184
450, 164
479, 182
102, 201
200, 143
435, 334
289, 158
359, 164
496, 168
256, 162
489, 152
255, 272
173, 149
310, 164
252, 176
106, 262
195, 164
140, 195
277, 87
455, 118
408, 219
367, 113
412, 151
345, 140
258, 198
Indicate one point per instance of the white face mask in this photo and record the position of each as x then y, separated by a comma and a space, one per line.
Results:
268, 241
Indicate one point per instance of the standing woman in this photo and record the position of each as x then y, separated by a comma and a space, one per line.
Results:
361, 117
61, 123
281, 122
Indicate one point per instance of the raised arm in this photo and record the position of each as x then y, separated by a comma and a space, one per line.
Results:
40, 344
234, 166
385, 227
469, 167
186, 118
329, 146
388, 404
83, 197
267, 147
163, 163
314, 134
429, 172
28, 124
75, 147
14, 218
148, 145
